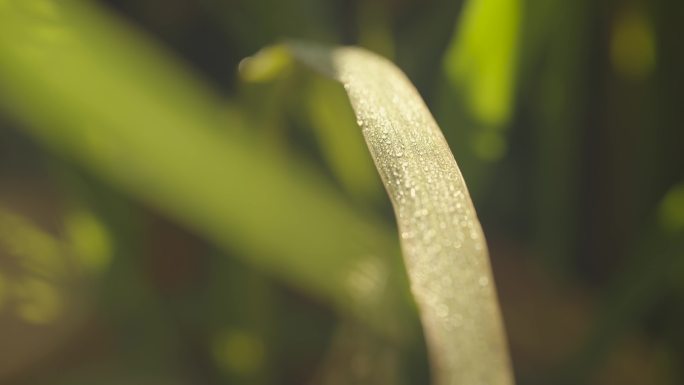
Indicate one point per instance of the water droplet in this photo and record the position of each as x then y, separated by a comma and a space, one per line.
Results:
442, 310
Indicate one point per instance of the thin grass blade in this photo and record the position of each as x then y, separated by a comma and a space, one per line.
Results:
442, 241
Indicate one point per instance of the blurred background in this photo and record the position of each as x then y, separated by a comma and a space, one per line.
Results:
172, 214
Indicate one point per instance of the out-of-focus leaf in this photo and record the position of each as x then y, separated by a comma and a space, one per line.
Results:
334, 124
266, 65
477, 86
94, 90
482, 57
442, 241
327, 109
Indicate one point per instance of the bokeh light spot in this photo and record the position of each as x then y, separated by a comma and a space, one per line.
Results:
366, 279
38, 251
633, 45
89, 240
39, 302
671, 211
239, 351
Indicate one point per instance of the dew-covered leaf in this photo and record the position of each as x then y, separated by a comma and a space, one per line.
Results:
443, 245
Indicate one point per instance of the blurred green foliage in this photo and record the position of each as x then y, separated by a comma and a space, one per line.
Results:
168, 218
481, 60
158, 134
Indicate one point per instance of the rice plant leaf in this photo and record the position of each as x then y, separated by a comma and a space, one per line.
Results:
443, 245
100, 94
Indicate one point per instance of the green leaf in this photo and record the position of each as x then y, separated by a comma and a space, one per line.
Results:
334, 122
97, 92
443, 245
482, 58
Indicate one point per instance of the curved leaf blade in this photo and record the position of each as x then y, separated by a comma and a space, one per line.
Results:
442, 241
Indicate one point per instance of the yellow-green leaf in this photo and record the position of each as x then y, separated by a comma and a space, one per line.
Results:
482, 61
97, 92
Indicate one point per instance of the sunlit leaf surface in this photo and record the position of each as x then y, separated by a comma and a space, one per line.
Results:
442, 241
97, 92
482, 58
